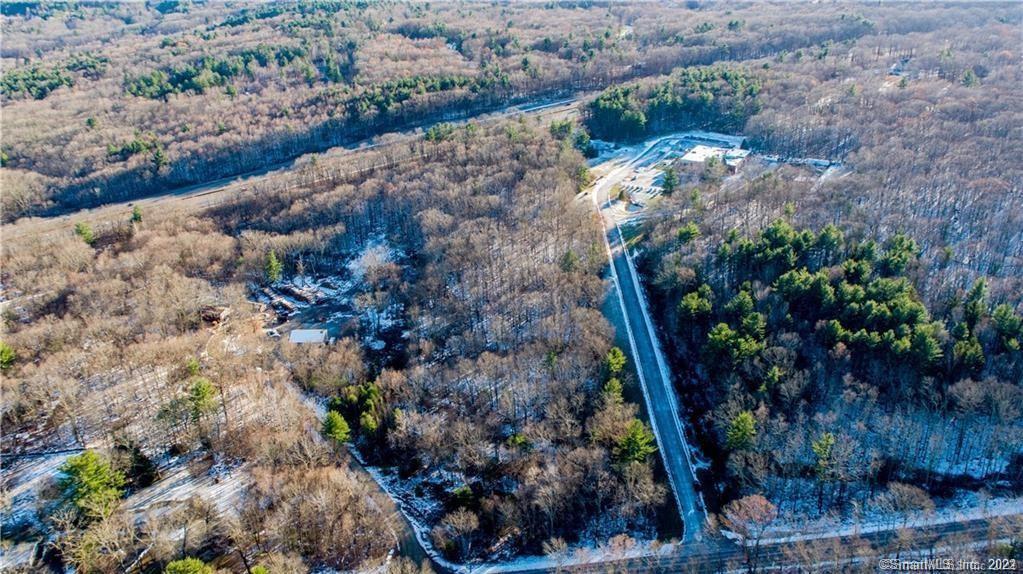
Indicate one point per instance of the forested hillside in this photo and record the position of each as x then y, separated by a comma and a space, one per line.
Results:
824, 376
257, 376
504, 399
715, 98
107, 348
107, 102
508, 380
854, 328
923, 122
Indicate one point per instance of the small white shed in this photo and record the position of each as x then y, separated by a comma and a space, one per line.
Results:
308, 336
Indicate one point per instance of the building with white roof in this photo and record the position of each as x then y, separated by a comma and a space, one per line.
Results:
308, 336
701, 153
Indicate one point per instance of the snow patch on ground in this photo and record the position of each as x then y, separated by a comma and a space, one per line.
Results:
965, 507
422, 510
27, 479
222, 485
23, 481
618, 549
376, 253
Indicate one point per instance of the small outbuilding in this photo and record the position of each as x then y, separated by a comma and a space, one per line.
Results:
308, 336
735, 157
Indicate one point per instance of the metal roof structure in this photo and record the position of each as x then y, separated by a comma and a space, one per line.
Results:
701, 153
308, 336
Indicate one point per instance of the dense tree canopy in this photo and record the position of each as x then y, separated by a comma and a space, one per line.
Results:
500, 373
711, 98
827, 338
222, 90
842, 313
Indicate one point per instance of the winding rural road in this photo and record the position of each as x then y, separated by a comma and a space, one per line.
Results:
654, 376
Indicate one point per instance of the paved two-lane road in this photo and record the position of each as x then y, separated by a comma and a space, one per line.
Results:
830, 553
655, 378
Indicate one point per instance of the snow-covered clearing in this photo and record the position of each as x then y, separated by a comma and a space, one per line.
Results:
220, 485
342, 297
376, 253
22, 483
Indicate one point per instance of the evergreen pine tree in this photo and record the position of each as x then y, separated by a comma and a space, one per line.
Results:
90, 484
201, 398
159, 159
670, 183
188, 566
636, 445
335, 427
615, 361
84, 231
273, 268
741, 431
7, 356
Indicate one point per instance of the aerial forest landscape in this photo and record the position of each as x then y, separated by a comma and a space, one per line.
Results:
405, 287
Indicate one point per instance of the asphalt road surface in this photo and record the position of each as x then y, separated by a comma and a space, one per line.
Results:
658, 391
860, 553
